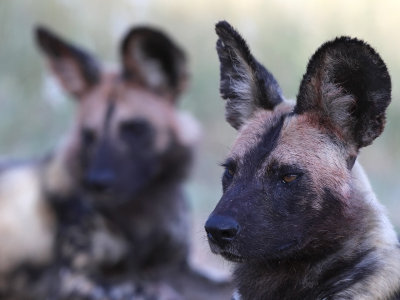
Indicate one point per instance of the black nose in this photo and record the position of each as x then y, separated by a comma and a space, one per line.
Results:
100, 181
221, 230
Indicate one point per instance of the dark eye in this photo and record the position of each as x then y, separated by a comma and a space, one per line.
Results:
134, 128
289, 178
229, 173
230, 168
88, 136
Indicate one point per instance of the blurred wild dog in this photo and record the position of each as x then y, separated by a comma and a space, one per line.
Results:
115, 187
297, 214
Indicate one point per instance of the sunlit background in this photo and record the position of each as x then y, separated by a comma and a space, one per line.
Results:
282, 34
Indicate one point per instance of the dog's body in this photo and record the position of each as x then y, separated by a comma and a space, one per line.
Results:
298, 214
114, 190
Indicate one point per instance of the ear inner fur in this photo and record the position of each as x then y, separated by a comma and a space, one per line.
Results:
76, 69
244, 82
150, 58
347, 85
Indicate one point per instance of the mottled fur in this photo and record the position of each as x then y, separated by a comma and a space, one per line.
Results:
298, 214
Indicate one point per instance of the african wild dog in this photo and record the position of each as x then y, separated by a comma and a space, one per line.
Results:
297, 214
116, 186
130, 152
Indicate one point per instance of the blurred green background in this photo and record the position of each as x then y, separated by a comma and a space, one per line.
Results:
282, 34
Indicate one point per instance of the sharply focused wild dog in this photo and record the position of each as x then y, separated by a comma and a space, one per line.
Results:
297, 214
115, 187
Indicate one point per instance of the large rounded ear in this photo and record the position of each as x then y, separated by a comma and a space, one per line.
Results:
244, 82
77, 70
151, 59
348, 87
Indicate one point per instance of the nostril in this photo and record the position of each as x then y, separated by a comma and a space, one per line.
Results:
221, 229
229, 233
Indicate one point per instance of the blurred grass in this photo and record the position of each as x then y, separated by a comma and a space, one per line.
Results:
282, 34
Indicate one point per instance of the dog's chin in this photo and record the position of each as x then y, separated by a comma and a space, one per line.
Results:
228, 254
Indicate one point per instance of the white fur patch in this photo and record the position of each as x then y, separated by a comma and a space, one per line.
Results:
151, 69
26, 225
236, 295
189, 130
245, 104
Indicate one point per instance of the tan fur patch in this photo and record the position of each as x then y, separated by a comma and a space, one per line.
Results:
250, 133
306, 146
56, 175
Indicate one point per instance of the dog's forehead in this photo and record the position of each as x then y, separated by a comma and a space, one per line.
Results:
287, 139
128, 102
302, 142
135, 102
251, 133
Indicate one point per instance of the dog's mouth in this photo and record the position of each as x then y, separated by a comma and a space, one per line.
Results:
231, 254
232, 257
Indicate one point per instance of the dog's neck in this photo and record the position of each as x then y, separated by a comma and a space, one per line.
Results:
366, 264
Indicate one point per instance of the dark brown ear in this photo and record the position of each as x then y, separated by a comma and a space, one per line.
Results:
244, 82
348, 86
150, 58
76, 70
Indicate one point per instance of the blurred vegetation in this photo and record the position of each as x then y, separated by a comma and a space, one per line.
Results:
282, 34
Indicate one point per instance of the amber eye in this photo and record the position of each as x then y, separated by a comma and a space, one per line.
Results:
229, 173
289, 178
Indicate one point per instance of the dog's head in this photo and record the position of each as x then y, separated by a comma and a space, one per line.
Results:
127, 132
287, 184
